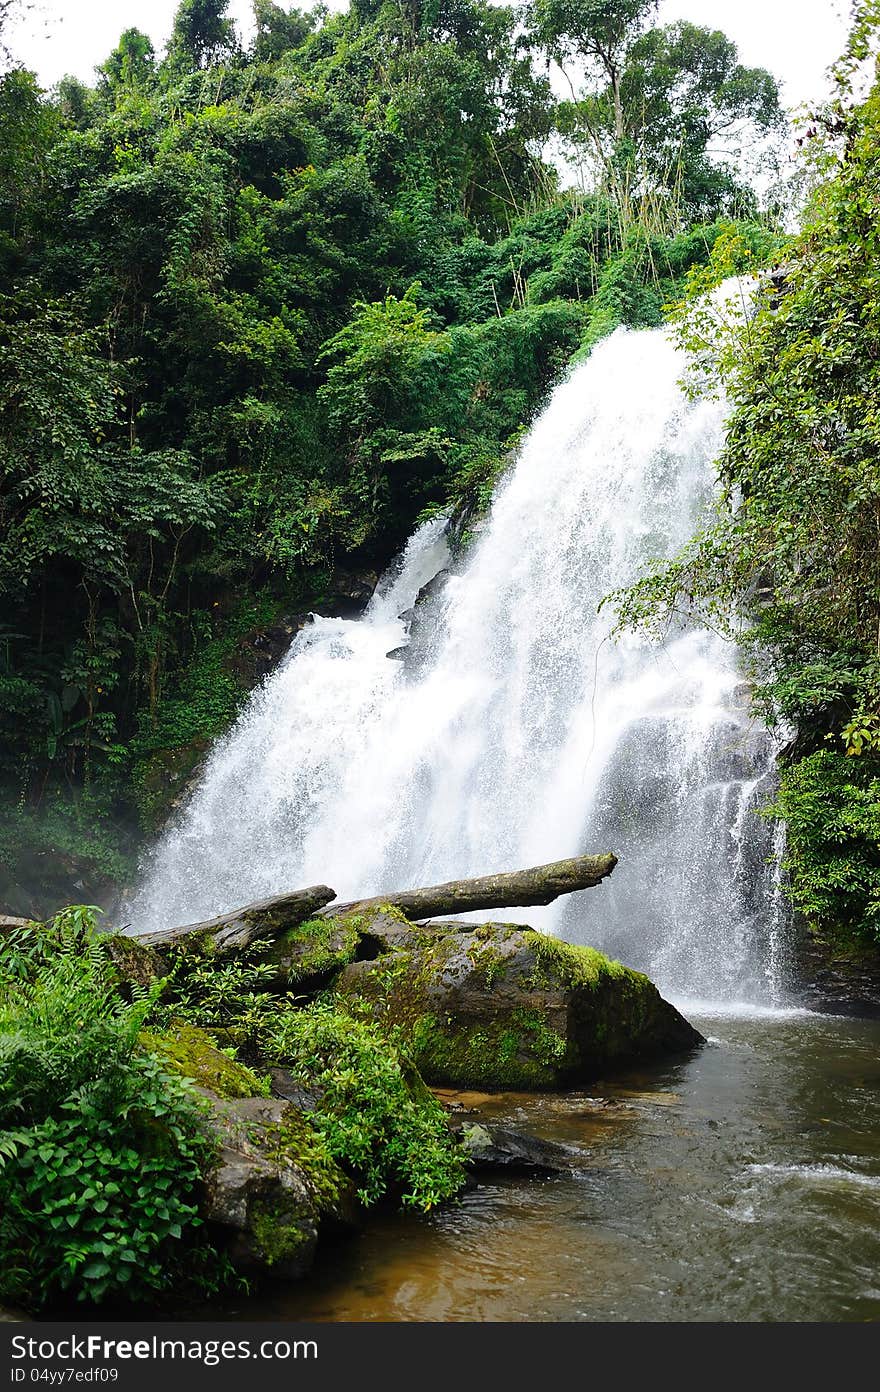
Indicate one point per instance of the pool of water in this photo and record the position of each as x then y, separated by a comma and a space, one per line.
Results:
739, 1183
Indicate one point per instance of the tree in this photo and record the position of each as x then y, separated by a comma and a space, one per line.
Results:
279, 30
203, 34
131, 64
600, 33
666, 109
688, 104
27, 128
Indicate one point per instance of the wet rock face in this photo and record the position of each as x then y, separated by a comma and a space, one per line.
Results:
421, 621
502, 1007
834, 981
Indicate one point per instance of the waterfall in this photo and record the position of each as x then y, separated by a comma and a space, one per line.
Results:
513, 729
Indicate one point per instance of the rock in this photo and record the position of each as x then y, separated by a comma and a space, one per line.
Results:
284, 1085
348, 594
136, 965
273, 1186
835, 980
264, 920
191, 1051
434, 586
46, 880
501, 1007
420, 620
384, 928
501, 1147
308, 954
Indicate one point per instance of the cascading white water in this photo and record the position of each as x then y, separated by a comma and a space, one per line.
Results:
515, 731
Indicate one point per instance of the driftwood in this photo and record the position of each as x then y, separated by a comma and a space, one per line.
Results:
11, 925
268, 919
263, 921
517, 889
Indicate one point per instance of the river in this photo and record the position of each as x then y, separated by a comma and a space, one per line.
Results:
741, 1183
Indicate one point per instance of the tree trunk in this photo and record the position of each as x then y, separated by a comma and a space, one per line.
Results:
517, 889
270, 918
230, 932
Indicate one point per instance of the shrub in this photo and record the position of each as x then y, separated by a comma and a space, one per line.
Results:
831, 805
101, 1150
377, 1117
218, 994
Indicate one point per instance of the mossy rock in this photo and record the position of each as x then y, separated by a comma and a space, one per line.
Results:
502, 1007
274, 1186
193, 1053
307, 956
135, 964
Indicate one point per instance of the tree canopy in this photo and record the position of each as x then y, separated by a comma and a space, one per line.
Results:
264, 307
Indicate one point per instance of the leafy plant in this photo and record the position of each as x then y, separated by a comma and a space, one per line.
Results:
377, 1117
219, 994
101, 1150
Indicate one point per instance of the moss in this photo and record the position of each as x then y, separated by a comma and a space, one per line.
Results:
560, 963
295, 1141
505, 1007
192, 1052
135, 965
275, 1236
486, 958
517, 1052
316, 948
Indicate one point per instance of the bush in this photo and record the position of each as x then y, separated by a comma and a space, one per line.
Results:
831, 805
101, 1150
377, 1117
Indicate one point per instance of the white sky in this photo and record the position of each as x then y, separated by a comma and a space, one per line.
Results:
795, 39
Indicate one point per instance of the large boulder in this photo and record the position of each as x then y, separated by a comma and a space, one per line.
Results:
500, 1006
273, 1186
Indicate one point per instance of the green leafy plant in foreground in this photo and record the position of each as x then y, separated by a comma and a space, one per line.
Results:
375, 1114
101, 1150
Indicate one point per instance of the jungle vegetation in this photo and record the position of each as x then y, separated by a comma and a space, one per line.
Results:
266, 301
262, 305
788, 566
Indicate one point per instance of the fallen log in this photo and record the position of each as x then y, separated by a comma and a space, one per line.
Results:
515, 889
268, 919
263, 921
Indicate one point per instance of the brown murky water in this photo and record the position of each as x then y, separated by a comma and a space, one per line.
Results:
742, 1183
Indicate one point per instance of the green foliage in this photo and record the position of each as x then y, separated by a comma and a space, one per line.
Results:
375, 1119
131, 65
263, 310
831, 807
657, 108
231, 995
101, 1149
278, 30
787, 564
203, 34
